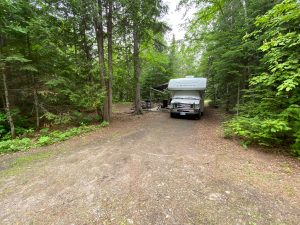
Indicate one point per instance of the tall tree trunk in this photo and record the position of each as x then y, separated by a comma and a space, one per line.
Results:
244, 4
137, 72
6, 102
7, 108
36, 102
110, 59
35, 96
100, 40
227, 98
125, 93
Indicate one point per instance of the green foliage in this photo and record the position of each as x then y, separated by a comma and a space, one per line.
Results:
265, 132
16, 58
156, 65
44, 130
89, 97
63, 118
3, 124
22, 124
292, 114
22, 162
48, 55
46, 138
279, 27
58, 136
217, 31
271, 112
254, 47
15, 145
104, 124
296, 145
86, 120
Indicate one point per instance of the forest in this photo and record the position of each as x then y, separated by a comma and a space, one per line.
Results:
64, 63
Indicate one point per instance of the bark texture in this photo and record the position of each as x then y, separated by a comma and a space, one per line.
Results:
137, 72
36, 102
7, 108
98, 23
110, 59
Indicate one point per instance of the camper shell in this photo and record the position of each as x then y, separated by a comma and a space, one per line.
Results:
187, 96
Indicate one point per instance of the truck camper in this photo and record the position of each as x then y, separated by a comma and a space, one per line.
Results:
187, 96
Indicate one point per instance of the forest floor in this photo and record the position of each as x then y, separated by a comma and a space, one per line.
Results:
150, 169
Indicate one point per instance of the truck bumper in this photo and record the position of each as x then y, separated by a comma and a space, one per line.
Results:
191, 113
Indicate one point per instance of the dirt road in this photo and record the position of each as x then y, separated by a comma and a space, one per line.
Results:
153, 170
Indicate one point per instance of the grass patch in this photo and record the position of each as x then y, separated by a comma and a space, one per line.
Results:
20, 163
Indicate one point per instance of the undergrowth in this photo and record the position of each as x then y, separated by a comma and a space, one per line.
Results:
46, 138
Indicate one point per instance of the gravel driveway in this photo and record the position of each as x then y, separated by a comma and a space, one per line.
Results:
153, 170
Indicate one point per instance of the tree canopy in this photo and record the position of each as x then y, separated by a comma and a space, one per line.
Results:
251, 58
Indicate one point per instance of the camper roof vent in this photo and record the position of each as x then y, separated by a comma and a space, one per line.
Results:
189, 76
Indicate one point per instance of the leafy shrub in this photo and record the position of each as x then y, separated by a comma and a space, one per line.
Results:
283, 128
44, 130
20, 130
87, 120
20, 120
262, 131
104, 124
58, 136
63, 118
296, 145
88, 97
28, 131
4, 128
292, 114
270, 113
77, 114
44, 140
15, 145
7, 136
22, 125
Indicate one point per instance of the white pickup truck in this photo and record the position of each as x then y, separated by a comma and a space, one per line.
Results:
187, 96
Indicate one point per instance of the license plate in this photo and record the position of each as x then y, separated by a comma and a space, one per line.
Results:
182, 113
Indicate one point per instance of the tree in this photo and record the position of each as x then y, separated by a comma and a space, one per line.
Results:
98, 21
155, 64
173, 63
66, 60
250, 48
110, 55
227, 60
143, 18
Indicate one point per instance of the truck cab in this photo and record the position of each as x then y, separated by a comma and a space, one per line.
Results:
187, 96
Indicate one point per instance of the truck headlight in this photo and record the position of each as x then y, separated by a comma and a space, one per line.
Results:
196, 106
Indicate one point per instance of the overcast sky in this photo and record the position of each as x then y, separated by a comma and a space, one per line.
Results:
176, 19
